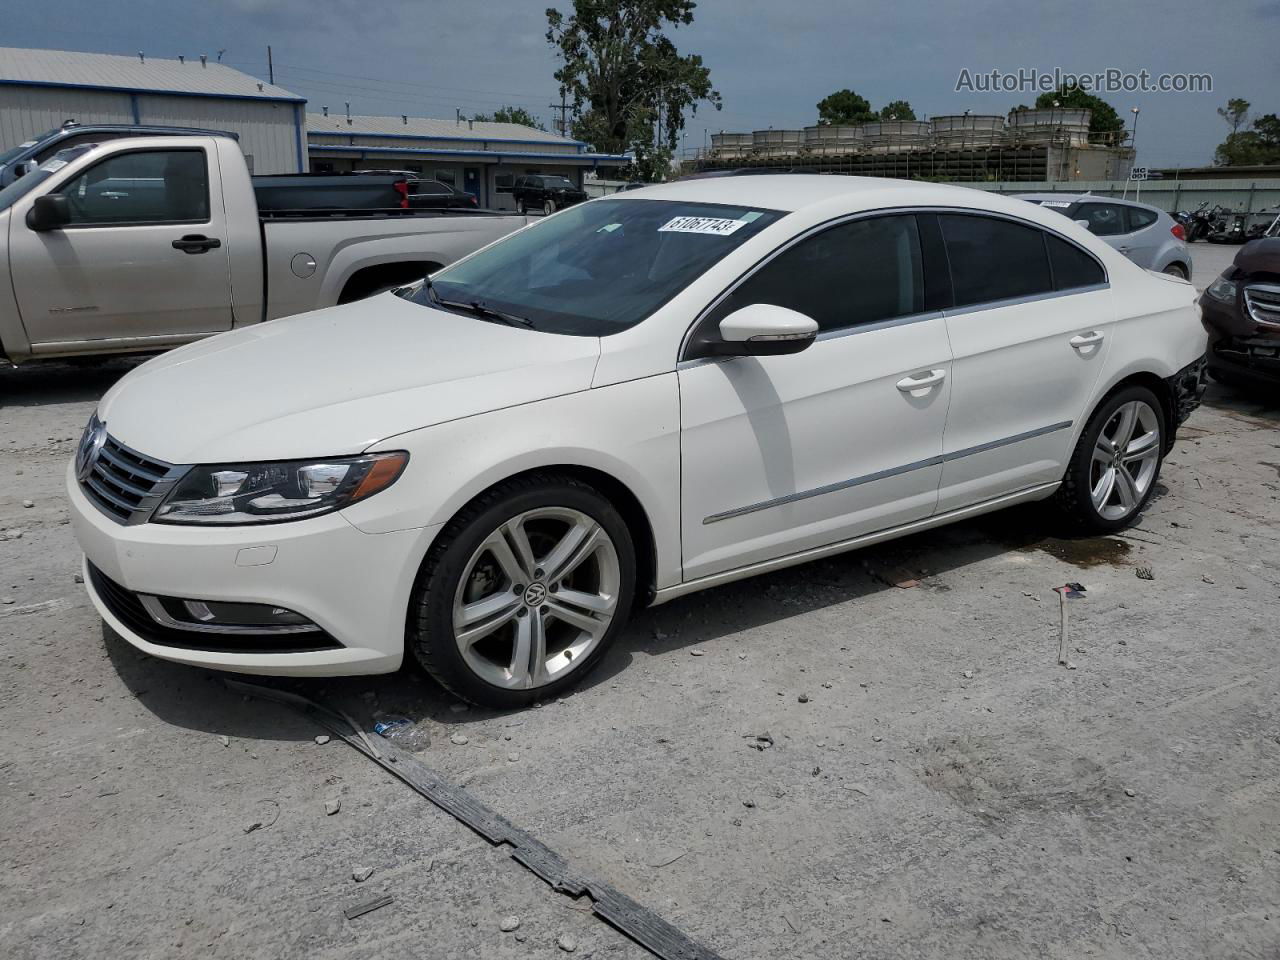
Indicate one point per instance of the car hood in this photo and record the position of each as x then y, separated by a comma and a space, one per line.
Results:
335, 382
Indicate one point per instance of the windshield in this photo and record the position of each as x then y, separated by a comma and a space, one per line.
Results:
38, 175
599, 267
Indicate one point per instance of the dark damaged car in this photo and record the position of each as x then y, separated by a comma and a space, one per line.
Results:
1241, 311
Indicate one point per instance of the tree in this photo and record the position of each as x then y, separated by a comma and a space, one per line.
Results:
1102, 120
511, 115
1235, 113
845, 107
897, 110
629, 85
1261, 145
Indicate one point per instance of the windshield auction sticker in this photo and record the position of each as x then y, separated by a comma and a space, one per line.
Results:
710, 225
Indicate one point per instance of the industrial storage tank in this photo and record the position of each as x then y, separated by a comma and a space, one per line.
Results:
962, 130
828, 139
1065, 125
777, 143
731, 146
889, 136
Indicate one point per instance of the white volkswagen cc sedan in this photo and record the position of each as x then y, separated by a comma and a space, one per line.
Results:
639, 397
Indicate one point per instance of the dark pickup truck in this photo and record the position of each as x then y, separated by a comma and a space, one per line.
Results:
545, 193
1241, 311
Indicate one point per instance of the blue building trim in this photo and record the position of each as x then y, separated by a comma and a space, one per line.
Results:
595, 159
133, 106
297, 132
425, 136
103, 88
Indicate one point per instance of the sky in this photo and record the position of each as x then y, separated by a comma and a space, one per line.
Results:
771, 62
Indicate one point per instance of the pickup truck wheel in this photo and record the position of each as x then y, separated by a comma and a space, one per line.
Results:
1113, 471
548, 208
523, 592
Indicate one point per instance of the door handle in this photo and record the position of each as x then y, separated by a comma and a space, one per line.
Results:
196, 243
1090, 339
923, 381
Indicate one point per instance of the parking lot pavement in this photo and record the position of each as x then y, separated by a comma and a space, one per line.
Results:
1208, 260
933, 784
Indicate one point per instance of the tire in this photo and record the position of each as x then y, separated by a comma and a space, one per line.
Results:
1176, 270
1080, 499
521, 209
472, 569
548, 207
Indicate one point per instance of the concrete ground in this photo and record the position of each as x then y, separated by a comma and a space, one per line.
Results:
935, 786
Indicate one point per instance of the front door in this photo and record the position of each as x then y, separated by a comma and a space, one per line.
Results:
782, 454
114, 271
1030, 330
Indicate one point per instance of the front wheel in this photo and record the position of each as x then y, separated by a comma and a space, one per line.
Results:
1113, 471
523, 592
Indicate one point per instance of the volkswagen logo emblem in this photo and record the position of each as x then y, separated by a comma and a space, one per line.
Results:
95, 435
535, 595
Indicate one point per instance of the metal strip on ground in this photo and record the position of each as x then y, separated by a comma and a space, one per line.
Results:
614, 907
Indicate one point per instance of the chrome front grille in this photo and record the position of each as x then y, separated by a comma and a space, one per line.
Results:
1262, 300
124, 484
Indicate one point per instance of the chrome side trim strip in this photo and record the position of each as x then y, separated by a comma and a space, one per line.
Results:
1018, 301
161, 616
819, 491
1038, 492
885, 474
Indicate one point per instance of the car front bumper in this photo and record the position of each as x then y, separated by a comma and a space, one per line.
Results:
354, 586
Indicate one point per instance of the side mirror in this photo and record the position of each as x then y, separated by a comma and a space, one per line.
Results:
1085, 224
50, 212
765, 330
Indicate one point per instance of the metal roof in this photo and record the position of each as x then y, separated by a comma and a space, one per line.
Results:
425, 128
65, 68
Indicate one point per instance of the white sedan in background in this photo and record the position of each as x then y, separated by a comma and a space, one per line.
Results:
639, 397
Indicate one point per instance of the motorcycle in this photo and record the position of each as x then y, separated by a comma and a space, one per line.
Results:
1199, 222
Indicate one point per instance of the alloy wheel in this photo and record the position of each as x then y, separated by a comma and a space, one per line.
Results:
1125, 459
536, 598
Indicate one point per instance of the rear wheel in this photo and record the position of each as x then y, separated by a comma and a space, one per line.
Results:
548, 208
1177, 270
1113, 471
523, 592
521, 208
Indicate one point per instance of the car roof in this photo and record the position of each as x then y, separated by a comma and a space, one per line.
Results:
1079, 197
792, 192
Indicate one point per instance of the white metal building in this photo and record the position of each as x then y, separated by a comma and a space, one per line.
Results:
39, 89
479, 157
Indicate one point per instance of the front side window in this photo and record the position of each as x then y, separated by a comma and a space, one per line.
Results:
993, 259
146, 186
596, 268
856, 273
1104, 219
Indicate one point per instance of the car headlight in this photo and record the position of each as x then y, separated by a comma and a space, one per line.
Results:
240, 493
1223, 289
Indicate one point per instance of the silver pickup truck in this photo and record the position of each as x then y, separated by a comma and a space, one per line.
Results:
138, 244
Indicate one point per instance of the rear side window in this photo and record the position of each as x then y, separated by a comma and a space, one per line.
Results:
429, 187
1072, 267
1104, 219
855, 273
994, 259
1140, 219
146, 186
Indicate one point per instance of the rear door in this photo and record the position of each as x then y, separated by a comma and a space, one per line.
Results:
1030, 330
1144, 239
145, 253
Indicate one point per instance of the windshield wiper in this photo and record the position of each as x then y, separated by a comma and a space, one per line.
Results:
478, 308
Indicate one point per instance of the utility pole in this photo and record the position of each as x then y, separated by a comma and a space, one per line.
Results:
563, 107
271, 70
